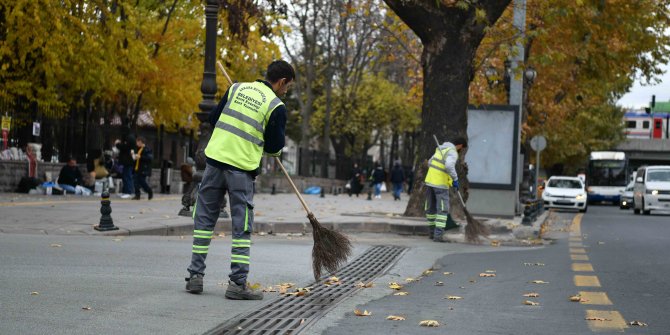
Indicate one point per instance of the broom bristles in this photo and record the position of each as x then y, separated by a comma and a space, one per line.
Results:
474, 229
331, 249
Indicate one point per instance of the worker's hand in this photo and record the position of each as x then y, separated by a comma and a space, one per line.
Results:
455, 184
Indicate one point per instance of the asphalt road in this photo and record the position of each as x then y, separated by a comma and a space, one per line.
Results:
608, 255
134, 285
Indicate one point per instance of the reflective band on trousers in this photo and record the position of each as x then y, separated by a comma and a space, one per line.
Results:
202, 234
239, 259
241, 243
200, 249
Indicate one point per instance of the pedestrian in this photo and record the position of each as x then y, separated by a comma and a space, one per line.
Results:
355, 185
70, 178
142, 169
440, 177
249, 120
126, 147
378, 177
397, 179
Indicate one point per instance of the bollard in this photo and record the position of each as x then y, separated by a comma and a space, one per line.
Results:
526, 215
369, 194
323, 193
274, 189
106, 222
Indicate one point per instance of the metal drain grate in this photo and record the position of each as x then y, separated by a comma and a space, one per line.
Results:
290, 314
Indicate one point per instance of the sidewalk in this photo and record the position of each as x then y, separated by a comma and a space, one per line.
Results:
274, 214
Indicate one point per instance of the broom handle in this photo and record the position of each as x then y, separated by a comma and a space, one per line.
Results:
295, 189
457, 191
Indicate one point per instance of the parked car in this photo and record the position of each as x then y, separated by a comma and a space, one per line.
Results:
652, 189
626, 199
565, 192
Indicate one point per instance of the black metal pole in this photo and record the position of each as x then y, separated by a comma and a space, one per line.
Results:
208, 89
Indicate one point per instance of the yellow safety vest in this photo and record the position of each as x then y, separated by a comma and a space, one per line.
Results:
238, 138
437, 175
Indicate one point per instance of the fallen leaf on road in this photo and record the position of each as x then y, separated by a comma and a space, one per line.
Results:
332, 281
86, 308
410, 279
181, 237
463, 287
533, 264
428, 272
490, 271
166, 216
577, 298
601, 242
302, 321
538, 282
487, 274
451, 308
395, 318
395, 286
401, 293
531, 303
364, 285
131, 217
439, 283
117, 239
448, 273
638, 323
429, 323
222, 235
472, 280
495, 243
531, 295
453, 297
56, 245
363, 313
594, 318
34, 293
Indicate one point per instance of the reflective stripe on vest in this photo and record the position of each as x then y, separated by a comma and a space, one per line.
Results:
437, 175
238, 135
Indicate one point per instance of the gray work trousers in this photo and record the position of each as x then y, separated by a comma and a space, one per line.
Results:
437, 207
240, 186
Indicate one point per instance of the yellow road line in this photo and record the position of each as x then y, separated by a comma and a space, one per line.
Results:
594, 298
579, 257
582, 267
577, 250
92, 200
590, 281
613, 321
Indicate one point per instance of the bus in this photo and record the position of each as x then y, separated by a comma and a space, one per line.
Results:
606, 176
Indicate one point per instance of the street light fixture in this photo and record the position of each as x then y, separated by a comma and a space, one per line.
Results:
530, 74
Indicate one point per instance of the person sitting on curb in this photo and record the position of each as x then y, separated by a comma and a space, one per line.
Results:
70, 178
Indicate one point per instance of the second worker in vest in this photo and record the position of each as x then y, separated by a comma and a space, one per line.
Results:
249, 120
440, 177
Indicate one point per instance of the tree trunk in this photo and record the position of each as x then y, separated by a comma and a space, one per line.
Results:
450, 37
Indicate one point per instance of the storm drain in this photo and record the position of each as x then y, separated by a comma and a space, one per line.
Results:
290, 314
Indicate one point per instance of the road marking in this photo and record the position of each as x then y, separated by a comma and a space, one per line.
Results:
582, 267
613, 321
575, 239
576, 245
577, 250
579, 257
594, 298
589, 281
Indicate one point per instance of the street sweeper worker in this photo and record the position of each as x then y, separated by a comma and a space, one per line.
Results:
250, 119
440, 177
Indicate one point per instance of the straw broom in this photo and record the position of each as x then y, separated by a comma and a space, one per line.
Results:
474, 228
331, 249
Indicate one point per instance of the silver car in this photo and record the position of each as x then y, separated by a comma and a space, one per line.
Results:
626, 199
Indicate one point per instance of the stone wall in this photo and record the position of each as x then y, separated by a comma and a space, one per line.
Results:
11, 173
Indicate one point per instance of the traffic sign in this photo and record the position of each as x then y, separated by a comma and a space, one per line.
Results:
538, 142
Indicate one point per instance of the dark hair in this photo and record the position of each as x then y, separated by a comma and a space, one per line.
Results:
142, 139
460, 140
279, 69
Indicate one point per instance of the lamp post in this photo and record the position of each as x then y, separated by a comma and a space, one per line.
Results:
208, 89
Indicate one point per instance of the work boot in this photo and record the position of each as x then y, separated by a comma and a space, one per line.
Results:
437, 235
194, 283
431, 232
241, 292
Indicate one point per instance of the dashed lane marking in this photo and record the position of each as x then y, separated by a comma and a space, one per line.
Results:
577, 250
579, 257
582, 267
586, 281
594, 298
611, 321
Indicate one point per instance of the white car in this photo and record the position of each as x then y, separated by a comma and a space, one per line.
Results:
652, 189
565, 192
